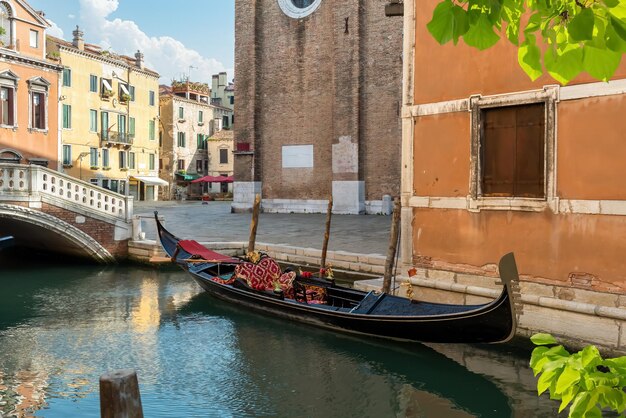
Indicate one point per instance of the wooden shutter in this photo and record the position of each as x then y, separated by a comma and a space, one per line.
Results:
512, 151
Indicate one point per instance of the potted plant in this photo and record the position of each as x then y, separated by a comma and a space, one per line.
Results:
125, 97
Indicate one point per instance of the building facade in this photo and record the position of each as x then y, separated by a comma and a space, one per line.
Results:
187, 121
318, 105
223, 95
29, 86
494, 163
109, 114
220, 147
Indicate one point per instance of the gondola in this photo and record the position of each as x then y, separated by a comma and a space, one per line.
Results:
320, 301
6, 242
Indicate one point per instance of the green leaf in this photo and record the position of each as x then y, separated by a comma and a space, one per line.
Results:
600, 63
611, 3
581, 26
534, 23
590, 356
619, 26
480, 34
579, 406
568, 378
567, 396
545, 380
613, 41
441, 26
543, 339
461, 23
529, 58
563, 67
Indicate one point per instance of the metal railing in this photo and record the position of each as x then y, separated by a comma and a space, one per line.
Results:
117, 137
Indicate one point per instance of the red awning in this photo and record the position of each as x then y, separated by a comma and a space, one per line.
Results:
214, 179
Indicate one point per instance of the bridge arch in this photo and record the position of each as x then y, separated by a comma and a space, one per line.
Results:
23, 223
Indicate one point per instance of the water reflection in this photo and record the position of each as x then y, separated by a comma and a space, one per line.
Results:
196, 356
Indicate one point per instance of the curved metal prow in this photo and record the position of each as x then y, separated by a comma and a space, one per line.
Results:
510, 278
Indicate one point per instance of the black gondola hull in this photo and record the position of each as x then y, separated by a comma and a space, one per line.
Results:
489, 323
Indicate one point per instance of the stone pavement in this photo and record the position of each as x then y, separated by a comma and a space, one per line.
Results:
362, 234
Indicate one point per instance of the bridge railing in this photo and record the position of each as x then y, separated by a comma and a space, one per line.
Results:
28, 181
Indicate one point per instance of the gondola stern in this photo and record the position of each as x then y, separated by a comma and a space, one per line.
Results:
509, 277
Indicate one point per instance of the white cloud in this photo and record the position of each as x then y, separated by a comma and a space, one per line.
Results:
54, 30
163, 54
71, 16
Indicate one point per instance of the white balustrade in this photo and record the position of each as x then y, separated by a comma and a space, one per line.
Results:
19, 180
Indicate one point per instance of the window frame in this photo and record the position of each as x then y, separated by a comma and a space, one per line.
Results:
36, 38
106, 159
68, 162
66, 108
93, 120
151, 130
151, 99
477, 202
93, 83
151, 162
224, 153
66, 77
93, 157
9, 81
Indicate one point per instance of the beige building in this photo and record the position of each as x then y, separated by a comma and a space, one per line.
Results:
220, 148
223, 95
187, 122
109, 112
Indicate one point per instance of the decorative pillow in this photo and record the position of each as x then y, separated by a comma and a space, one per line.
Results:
259, 276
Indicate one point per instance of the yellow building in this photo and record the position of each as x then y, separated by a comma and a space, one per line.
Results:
109, 118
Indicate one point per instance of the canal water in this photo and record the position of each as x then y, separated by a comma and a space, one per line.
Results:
62, 327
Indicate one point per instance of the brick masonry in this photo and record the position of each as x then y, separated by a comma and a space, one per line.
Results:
334, 74
99, 230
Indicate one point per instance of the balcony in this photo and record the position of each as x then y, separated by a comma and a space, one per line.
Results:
117, 138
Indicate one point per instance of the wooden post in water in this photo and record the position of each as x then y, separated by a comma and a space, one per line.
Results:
119, 395
393, 246
329, 214
255, 222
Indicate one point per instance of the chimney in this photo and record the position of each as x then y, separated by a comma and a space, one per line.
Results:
139, 59
78, 40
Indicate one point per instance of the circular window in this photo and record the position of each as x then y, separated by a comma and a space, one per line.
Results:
298, 8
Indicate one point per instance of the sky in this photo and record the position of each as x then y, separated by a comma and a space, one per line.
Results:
178, 38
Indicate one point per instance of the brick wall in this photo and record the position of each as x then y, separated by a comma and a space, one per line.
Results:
100, 231
310, 81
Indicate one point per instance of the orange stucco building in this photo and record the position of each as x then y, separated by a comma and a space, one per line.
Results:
493, 163
29, 85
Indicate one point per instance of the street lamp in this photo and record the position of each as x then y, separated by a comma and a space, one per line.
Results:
80, 157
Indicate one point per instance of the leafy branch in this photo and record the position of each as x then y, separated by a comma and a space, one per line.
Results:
564, 37
583, 380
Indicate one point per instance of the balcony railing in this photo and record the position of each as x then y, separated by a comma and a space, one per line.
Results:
117, 137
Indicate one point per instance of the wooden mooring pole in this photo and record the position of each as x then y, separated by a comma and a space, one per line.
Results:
329, 215
119, 395
393, 246
255, 222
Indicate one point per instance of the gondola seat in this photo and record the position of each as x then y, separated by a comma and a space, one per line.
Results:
265, 274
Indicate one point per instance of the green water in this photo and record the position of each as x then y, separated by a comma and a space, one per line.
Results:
62, 327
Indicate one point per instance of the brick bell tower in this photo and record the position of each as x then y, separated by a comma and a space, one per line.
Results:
318, 94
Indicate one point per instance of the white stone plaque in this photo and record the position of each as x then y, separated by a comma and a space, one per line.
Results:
297, 156
345, 156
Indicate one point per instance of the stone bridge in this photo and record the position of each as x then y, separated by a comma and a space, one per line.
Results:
47, 210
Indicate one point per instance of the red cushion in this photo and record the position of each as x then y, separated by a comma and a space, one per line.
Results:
198, 250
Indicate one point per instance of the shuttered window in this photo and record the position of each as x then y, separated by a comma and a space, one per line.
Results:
512, 151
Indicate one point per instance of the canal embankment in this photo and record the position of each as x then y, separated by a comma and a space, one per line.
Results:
357, 244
